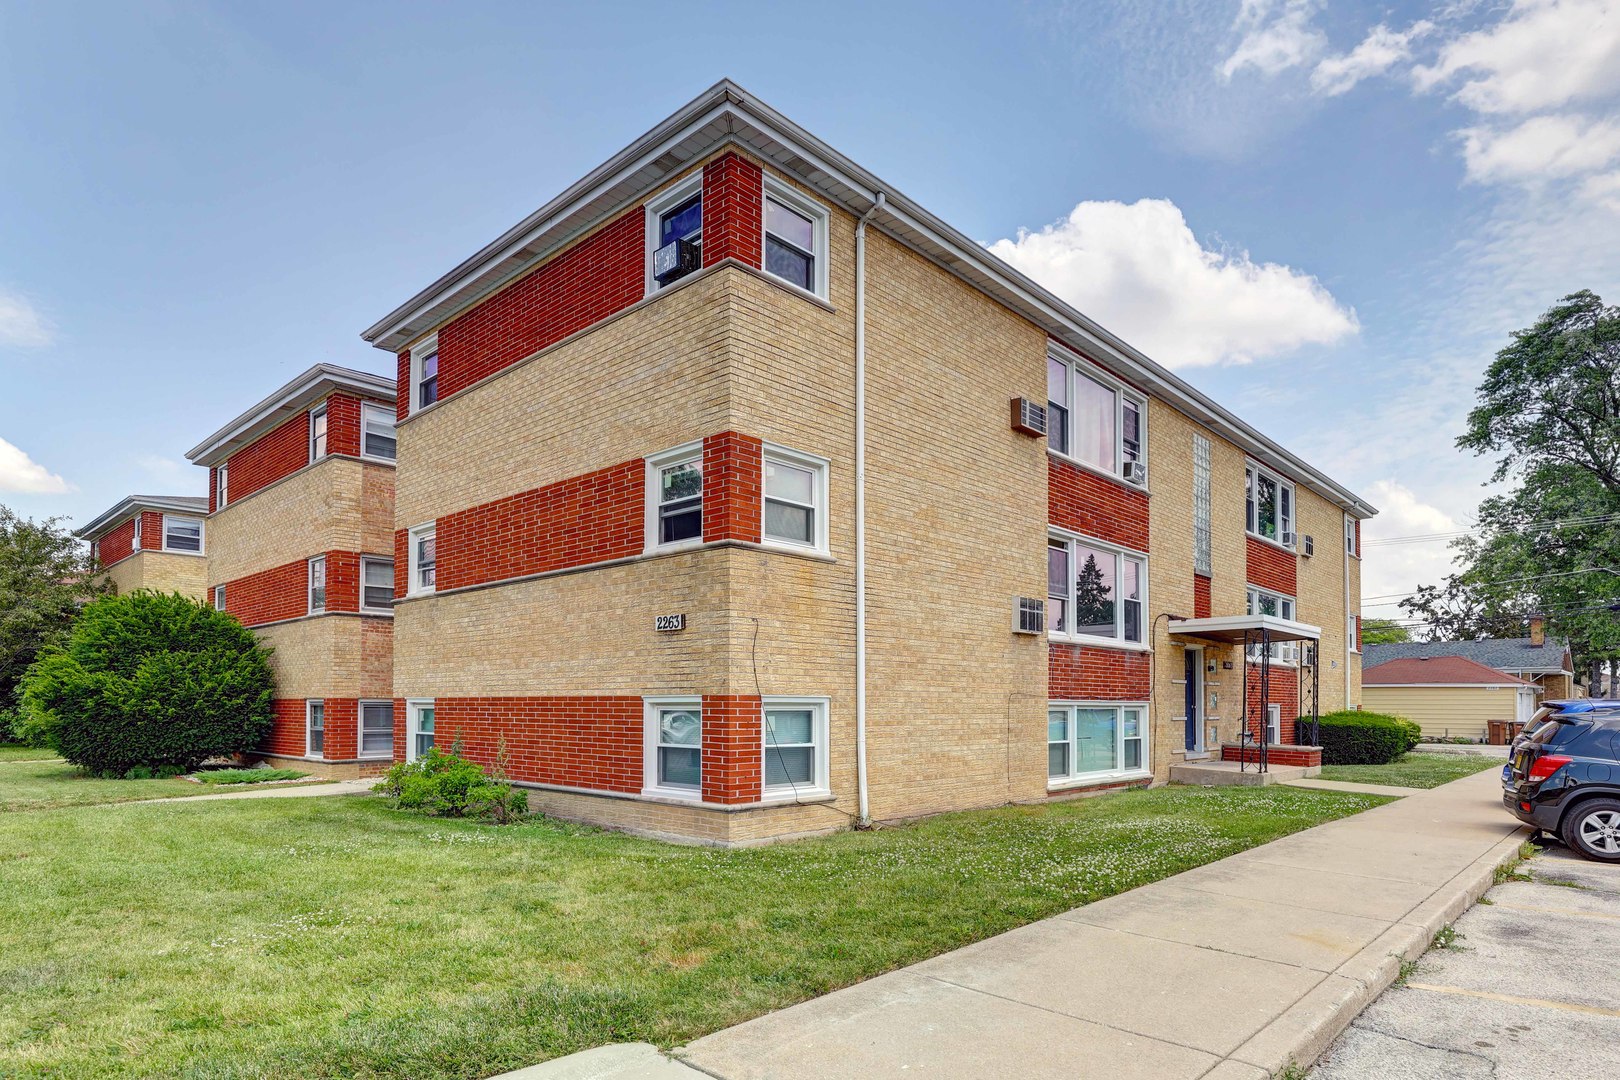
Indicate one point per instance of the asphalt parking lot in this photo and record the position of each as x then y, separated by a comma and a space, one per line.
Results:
1530, 987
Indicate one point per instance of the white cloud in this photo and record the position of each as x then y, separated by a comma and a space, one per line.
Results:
1544, 54
167, 470
1541, 148
21, 323
1276, 37
1388, 569
1603, 190
20, 473
1379, 51
1139, 270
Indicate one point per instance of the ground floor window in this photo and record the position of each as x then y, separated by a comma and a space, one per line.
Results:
376, 729
674, 764
1086, 739
795, 746
314, 728
421, 736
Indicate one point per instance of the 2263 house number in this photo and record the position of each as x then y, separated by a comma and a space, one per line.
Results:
663, 623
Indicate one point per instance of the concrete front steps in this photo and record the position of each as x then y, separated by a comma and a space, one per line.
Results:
1228, 774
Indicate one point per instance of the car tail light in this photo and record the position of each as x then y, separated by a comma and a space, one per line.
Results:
1545, 766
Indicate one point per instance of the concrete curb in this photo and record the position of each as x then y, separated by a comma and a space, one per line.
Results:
1304, 1032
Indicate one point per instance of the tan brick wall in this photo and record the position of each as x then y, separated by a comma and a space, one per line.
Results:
692, 824
1321, 596
162, 571
337, 504
327, 657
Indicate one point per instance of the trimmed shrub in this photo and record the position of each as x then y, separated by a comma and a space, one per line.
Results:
151, 681
448, 785
1366, 738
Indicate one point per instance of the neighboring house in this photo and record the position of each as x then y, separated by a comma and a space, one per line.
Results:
1538, 659
1449, 696
300, 518
153, 542
711, 516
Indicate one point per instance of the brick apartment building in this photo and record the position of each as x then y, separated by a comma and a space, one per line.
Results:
729, 483
301, 549
153, 542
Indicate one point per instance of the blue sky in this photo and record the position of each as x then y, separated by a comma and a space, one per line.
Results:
1329, 219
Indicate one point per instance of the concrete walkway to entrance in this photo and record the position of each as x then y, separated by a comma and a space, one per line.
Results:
276, 791
1229, 972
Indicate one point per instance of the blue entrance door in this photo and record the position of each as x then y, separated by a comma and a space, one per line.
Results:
1193, 666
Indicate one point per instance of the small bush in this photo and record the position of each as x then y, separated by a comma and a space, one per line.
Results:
150, 681
248, 776
448, 785
1366, 738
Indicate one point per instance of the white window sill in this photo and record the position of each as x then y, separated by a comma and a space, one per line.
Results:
375, 757
778, 796
420, 592
378, 460
1099, 642
1097, 470
690, 795
387, 613
1094, 779
1269, 540
788, 547
176, 551
674, 548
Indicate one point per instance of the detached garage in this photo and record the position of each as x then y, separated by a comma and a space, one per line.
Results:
1449, 696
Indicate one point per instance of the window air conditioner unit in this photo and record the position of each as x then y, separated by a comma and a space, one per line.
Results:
1136, 473
1028, 417
1309, 546
1288, 540
1029, 615
674, 260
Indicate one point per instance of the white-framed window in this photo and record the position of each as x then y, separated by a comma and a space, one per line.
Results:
135, 537
1095, 591
222, 485
219, 598
1350, 535
1273, 733
377, 585
419, 737
1095, 740
677, 214
421, 542
1266, 602
1352, 632
674, 747
377, 432
376, 729
795, 499
795, 238
425, 374
317, 432
317, 585
182, 534
1268, 506
675, 497
1094, 419
794, 734
314, 727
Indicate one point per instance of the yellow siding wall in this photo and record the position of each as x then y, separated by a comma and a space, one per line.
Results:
1444, 711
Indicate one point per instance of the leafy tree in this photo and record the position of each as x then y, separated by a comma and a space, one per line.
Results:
46, 576
1383, 632
151, 681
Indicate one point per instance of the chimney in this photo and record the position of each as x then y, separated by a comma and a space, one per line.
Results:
1538, 630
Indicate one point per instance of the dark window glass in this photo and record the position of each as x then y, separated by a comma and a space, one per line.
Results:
789, 263
428, 391
683, 222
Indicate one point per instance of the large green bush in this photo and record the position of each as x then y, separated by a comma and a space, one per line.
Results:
152, 681
448, 785
1365, 738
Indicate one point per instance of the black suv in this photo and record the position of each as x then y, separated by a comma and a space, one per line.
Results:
1564, 778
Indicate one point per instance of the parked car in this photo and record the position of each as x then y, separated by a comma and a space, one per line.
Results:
1573, 705
1564, 778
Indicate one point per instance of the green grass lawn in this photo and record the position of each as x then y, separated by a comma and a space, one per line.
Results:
1417, 770
339, 938
43, 785
13, 752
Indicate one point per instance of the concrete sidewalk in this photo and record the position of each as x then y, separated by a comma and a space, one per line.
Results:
278, 791
1230, 971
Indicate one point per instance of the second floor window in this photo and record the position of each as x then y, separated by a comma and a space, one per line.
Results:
1268, 506
377, 432
219, 598
223, 483
317, 585
317, 433
1266, 602
424, 374
1092, 420
135, 538
424, 559
182, 534
1094, 590
678, 489
377, 584
683, 222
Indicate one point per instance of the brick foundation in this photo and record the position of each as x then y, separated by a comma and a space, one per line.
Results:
1276, 754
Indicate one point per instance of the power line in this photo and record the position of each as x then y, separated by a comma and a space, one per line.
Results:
1528, 526
1503, 581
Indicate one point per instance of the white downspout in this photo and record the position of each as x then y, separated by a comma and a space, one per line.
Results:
1348, 643
864, 817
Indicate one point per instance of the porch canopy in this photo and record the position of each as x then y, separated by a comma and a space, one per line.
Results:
1245, 629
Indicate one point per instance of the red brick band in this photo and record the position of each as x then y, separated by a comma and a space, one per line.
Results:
1272, 567
1083, 502
1091, 673
282, 592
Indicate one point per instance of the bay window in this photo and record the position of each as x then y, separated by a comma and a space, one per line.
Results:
1099, 739
1094, 590
1268, 506
1094, 419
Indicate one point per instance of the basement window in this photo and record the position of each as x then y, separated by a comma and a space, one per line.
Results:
1090, 741
674, 751
376, 729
